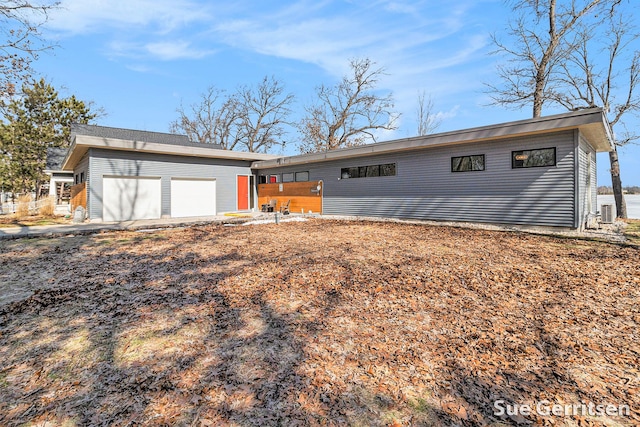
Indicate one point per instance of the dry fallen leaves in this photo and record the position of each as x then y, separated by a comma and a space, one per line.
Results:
318, 323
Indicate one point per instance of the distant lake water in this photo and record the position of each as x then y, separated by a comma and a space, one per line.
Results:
633, 203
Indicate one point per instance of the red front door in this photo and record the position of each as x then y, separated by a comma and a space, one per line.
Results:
243, 192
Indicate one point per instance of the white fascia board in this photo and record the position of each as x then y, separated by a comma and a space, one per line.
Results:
592, 122
82, 143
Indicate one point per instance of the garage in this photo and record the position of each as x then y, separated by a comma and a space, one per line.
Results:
130, 198
193, 197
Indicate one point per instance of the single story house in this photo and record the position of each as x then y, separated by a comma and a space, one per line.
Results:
122, 174
539, 172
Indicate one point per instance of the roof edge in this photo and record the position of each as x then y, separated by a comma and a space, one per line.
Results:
81, 144
591, 121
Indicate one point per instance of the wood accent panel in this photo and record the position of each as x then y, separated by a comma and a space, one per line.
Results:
78, 196
300, 194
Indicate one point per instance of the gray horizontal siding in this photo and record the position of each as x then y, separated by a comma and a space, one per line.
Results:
425, 187
126, 163
587, 177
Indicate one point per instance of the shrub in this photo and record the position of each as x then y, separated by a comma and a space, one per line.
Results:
47, 206
22, 210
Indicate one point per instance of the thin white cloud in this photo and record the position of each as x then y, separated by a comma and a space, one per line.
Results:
139, 68
162, 50
136, 29
329, 33
94, 16
169, 51
427, 44
409, 8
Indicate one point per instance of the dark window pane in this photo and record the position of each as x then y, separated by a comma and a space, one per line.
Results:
346, 173
477, 162
287, 177
534, 158
467, 163
302, 176
373, 171
368, 171
388, 169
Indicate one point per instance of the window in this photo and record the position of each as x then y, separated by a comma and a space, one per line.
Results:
388, 169
262, 179
533, 158
287, 177
349, 173
467, 163
302, 176
81, 177
274, 179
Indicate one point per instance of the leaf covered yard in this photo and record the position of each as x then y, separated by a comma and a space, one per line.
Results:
316, 323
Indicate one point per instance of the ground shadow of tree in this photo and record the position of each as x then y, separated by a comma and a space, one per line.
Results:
237, 372
222, 327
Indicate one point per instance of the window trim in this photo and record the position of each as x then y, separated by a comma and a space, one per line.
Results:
513, 158
470, 156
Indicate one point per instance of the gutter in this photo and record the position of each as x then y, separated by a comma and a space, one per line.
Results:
566, 121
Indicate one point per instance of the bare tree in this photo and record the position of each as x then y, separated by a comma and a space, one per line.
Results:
20, 40
428, 121
612, 85
348, 114
263, 112
250, 119
541, 38
211, 121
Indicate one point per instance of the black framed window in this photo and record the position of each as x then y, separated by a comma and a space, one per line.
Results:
302, 176
387, 169
533, 158
467, 163
287, 177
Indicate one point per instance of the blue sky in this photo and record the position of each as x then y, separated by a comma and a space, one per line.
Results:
140, 59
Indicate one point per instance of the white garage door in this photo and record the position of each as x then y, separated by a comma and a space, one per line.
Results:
131, 198
193, 197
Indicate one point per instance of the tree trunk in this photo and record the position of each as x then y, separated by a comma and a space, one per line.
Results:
537, 100
616, 183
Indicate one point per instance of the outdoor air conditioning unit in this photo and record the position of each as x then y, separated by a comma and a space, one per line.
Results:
607, 213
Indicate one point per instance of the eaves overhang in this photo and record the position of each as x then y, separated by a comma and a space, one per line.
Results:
82, 143
592, 123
